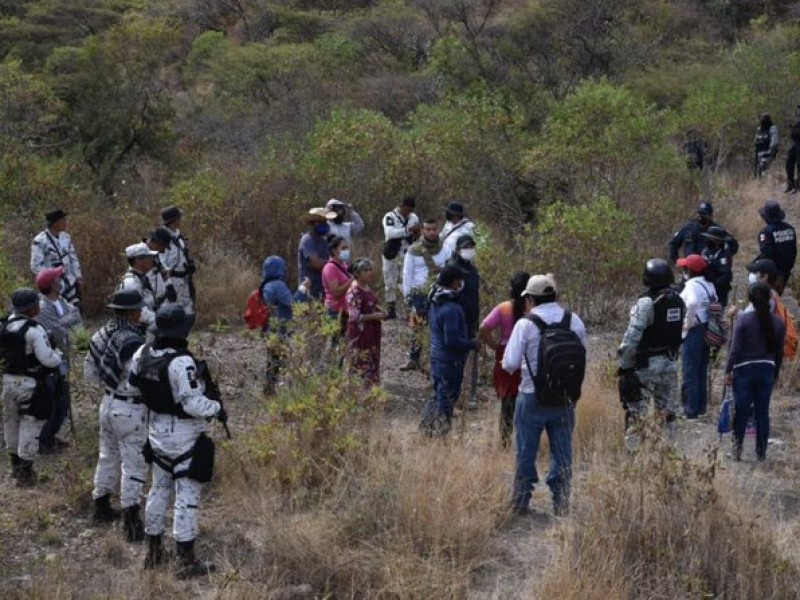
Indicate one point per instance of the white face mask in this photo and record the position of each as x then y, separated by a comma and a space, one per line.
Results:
344, 255
752, 278
467, 254
460, 288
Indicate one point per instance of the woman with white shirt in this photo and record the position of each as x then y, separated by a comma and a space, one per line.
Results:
697, 294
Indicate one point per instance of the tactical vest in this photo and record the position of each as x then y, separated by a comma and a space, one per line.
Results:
153, 382
762, 140
13, 358
663, 336
106, 347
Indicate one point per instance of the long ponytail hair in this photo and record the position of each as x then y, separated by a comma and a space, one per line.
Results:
518, 283
759, 294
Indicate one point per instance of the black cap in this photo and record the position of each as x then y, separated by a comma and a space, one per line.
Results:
764, 266
172, 322
170, 214
449, 274
126, 300
24, 299
409, 201
456, 208
771, 211
464, 241
705, 208
54, 216
715, 232
161, 236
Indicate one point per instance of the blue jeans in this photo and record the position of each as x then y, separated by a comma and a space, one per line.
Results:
694, 355
438, 411
752, 387
530, 419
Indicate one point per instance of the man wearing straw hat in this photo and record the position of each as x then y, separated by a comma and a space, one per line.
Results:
312, 251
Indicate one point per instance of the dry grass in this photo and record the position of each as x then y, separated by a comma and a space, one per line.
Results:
663, 526
738, 208
226, 278
409, 520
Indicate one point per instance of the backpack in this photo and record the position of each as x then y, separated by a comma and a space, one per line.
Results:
13, 359
256, 311
561, 362
715, 333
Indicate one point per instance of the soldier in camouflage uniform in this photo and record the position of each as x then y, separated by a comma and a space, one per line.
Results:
649, 350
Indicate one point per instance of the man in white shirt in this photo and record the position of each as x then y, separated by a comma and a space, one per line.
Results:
53, 248
347, 223
400, 227
423, 261
456, 226
531, 416
697, 294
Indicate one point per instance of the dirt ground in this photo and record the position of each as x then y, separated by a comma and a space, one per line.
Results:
48, 529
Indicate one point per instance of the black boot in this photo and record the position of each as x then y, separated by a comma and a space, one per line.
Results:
134, 528
188, 565
26, 475
155, 552
15, 464
103, 513
391, 310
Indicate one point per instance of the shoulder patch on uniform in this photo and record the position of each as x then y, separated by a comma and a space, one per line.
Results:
191, 375
390, 221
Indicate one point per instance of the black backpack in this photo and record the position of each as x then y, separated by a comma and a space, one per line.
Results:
561, 362
13, 359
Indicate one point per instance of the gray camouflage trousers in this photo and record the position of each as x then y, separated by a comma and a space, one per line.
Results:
659, 382
123, 433
187, 504
21, 431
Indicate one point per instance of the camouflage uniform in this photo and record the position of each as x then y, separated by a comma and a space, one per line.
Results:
659, 378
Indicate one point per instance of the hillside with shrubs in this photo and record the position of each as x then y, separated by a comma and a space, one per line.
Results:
541, 116
562, 125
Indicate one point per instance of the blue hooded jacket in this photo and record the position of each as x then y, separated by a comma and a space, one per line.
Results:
274, 291
450, 339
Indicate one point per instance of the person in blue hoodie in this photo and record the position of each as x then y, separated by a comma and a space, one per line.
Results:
450, 344
278, 297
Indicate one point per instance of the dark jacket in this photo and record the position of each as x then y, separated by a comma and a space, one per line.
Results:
469, 298
778, 242
274, 291
690, 240
749, 344
720, 271
450, 338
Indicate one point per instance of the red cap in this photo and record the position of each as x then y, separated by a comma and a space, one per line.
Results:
46, 277
694, 262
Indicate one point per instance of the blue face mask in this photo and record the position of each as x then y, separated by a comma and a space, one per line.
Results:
322, 228
344, 255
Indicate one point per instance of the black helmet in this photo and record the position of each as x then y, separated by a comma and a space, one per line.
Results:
657, 274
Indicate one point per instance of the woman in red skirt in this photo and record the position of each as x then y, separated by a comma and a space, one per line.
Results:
364, 324
502, 320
